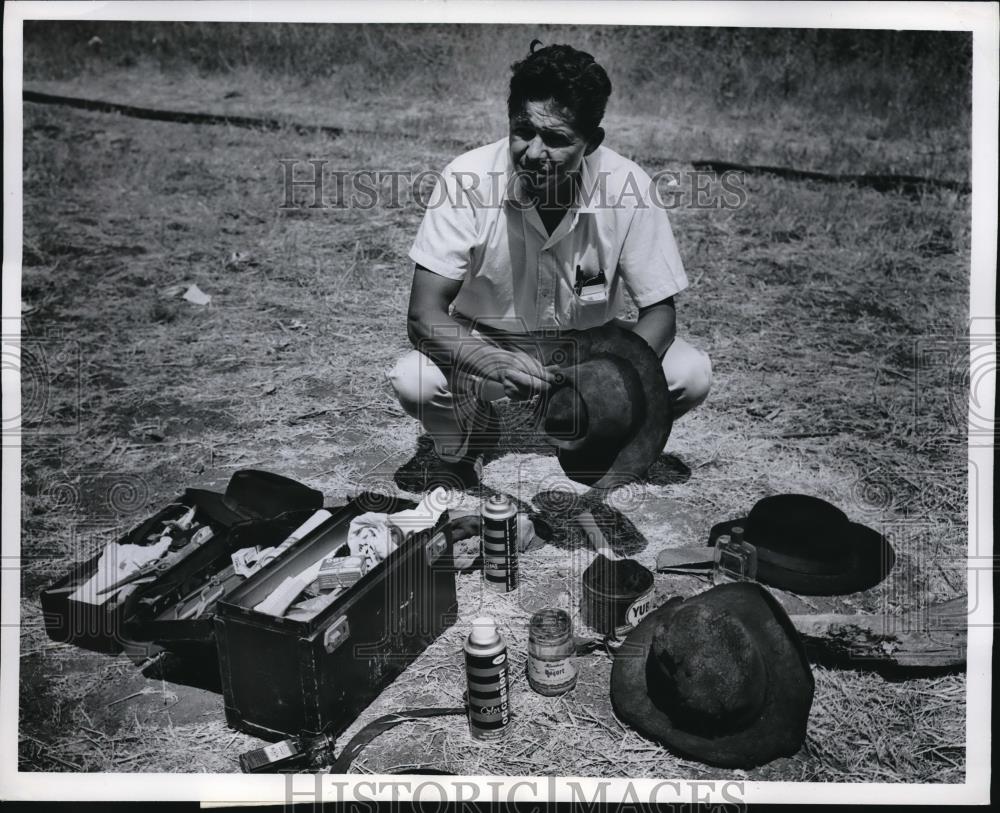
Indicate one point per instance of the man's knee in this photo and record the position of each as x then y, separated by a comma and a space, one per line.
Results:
416, 380
689, 375
699, 377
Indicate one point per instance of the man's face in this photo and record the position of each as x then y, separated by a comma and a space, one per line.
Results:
547, 152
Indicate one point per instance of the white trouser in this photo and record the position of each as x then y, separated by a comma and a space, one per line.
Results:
425, 392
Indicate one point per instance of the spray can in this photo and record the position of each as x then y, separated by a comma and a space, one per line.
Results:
487, 671
499, 533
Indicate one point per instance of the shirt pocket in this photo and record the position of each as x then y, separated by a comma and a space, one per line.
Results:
589, 295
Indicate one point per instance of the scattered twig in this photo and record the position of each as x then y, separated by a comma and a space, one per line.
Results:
51, 756
306, 415
807, 434
127, 697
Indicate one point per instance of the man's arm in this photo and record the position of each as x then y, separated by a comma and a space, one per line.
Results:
435, 333
658, 325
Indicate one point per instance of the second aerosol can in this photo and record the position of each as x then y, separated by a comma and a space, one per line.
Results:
499, 533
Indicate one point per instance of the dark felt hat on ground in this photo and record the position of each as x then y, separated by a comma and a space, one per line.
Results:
611, 416
804, 545
808, 546
720, 678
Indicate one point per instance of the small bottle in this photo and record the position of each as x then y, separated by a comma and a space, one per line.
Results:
487, 674
550, 648
293, 753
734, 559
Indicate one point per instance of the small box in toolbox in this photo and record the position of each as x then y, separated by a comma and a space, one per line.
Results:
108, 626
282, 676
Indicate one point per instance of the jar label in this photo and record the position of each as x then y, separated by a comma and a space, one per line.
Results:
551, 674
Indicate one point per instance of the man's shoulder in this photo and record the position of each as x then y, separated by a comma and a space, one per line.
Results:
616, 185
481, 160
616, 166
478, 175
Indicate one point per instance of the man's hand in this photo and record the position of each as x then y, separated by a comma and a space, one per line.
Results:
523, 376
434, 332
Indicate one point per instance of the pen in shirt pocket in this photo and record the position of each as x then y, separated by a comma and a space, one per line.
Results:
589, 285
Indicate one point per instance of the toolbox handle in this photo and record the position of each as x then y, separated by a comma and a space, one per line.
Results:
338, 632
435, 546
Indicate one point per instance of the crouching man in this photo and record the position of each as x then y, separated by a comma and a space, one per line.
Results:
543, 230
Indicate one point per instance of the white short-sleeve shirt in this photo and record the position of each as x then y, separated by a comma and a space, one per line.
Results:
516, 276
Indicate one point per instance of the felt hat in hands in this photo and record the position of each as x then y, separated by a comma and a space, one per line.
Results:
610, 416
806, 545
720, 678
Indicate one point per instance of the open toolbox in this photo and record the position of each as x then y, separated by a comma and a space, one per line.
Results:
288, 676
180, 606
161, 580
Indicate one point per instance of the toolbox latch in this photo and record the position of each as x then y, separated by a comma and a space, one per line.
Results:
336, 634
435, 547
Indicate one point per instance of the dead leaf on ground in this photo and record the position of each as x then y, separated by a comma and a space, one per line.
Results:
195, 295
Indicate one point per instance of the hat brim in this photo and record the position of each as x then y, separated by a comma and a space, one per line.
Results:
780, 727
869, 559
600, 468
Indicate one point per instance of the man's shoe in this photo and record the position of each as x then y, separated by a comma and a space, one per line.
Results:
426, 471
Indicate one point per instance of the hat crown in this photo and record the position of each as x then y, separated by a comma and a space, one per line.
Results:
598, 401
566, 414
705, 670
609, 387
798, 524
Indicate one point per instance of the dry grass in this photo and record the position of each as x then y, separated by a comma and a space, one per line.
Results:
834, 317
845, 85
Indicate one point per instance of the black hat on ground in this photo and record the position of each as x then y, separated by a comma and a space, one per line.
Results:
806, 545
721, 678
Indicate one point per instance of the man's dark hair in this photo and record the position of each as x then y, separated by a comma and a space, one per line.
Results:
560, 72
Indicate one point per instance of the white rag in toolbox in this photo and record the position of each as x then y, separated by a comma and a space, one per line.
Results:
116, 563
370, 535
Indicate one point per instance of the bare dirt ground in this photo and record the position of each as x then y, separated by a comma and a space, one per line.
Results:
835, 318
